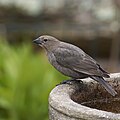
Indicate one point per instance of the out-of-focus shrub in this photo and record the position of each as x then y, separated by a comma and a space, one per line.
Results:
26, 79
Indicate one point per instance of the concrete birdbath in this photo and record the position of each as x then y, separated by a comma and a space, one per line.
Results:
85, 101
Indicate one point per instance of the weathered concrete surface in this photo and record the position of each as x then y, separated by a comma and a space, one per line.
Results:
62, 107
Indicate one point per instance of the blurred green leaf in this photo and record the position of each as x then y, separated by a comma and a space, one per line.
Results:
26, 79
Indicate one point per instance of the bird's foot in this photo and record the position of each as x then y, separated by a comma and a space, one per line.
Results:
67, 82
70, 82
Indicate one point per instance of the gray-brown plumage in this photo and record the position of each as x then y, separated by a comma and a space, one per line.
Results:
72, 61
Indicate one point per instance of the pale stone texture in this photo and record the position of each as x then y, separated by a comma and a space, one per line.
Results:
62, 107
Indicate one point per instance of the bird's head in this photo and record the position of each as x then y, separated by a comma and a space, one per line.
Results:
47, 42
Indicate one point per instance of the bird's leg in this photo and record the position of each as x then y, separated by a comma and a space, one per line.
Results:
70, 81
67, 81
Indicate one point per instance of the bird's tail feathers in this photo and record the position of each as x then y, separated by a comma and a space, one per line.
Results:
105, 74
105, 84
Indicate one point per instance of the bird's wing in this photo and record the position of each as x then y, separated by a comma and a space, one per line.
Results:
77, 61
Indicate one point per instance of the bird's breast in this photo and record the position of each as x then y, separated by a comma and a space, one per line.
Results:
64, 70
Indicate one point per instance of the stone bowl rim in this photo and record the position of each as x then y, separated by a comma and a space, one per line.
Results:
60, 100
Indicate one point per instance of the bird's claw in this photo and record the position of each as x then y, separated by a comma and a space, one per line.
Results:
70, 82
65, 82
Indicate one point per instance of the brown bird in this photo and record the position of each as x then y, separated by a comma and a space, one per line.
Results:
73, 62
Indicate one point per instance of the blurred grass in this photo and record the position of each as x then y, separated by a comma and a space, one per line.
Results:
26, 79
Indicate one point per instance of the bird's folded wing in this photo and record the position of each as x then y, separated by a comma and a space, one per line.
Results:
76, 61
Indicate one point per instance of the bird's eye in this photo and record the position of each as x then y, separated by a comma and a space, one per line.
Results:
45, 40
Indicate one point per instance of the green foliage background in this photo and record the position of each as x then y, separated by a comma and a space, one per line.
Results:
26, 79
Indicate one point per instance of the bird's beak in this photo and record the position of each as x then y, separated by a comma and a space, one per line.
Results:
37, 41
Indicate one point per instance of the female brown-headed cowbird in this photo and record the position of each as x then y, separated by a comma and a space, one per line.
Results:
72, 61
